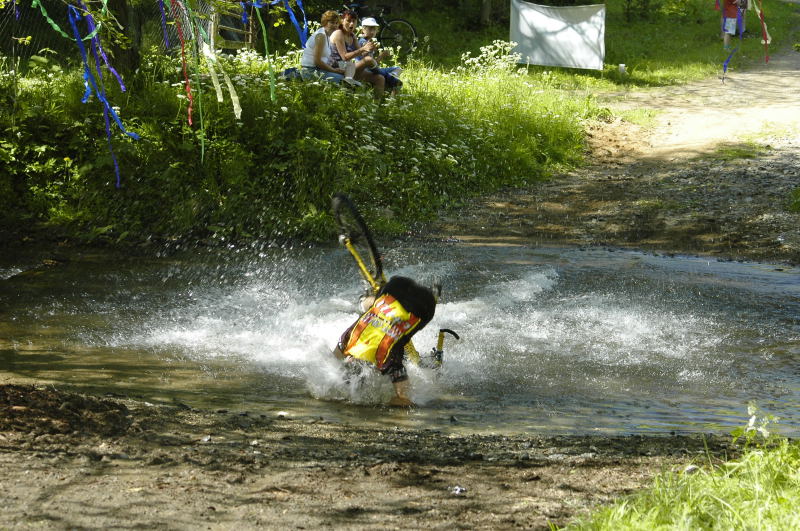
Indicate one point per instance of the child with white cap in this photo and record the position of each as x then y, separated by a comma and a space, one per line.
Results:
369, 29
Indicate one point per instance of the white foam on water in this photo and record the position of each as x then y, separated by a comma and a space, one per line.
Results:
520, 332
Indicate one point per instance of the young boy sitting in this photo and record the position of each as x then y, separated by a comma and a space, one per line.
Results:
369, 29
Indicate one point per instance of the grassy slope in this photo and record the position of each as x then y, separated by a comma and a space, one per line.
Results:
760, 490
455, 133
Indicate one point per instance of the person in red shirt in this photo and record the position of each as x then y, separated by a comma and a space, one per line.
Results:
730, 19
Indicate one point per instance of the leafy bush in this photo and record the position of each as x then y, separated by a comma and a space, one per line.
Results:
271, 173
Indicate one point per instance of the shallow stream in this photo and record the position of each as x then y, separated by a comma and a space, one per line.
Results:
557, 340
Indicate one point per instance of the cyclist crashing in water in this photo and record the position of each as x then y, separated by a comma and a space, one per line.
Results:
393, 311
382, 334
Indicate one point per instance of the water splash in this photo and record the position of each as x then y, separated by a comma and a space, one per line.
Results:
564, 340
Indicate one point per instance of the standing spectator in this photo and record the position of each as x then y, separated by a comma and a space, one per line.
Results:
730, 19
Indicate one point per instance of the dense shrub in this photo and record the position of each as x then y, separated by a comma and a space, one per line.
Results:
272, 171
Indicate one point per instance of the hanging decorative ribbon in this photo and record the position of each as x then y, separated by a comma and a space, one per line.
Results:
195, 30
266, 54
164, 23
258, 5
55, 26
212, 60
766, 39
302, 33
96, 46
89, 81
187, 83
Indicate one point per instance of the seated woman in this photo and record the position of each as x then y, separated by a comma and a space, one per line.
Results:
369, 29
315, 61
344, 47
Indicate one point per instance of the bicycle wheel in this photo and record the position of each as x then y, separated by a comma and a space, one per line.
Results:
398, 33
353, 228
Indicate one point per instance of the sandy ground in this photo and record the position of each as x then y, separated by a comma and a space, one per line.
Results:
80, 462
75, 462
713, 176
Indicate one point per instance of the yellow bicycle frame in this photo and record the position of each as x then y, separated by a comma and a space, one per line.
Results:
363, 268
376, 284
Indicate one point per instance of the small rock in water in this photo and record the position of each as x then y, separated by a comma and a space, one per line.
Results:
458, 490
206, 439
282, 414
453, 419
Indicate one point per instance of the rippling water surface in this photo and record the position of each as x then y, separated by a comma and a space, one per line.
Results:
553, 340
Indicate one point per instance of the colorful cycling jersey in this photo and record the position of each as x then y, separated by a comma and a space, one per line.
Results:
379, 329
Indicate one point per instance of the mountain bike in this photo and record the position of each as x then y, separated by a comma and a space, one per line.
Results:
397, 33
357, 239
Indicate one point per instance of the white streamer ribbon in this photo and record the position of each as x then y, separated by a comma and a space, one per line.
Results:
212, 59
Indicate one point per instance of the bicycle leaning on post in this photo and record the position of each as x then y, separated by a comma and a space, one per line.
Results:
395, 33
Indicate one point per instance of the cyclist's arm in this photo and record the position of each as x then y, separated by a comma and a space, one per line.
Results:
411, 352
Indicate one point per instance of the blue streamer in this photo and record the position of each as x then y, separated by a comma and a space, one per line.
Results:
244, 13
16, 10
163, 23
74, 15
97, 46
105, 110
302, 33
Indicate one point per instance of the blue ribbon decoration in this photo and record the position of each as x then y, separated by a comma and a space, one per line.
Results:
88, 79
16, 10
97, 66
244, 13
302, 33
164, 23
97, 46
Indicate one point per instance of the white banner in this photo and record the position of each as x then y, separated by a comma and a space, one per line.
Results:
559, 36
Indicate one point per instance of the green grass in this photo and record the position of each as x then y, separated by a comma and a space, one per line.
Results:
745, 149
679, 43
465, 125
272, 172
760, 490
794, 201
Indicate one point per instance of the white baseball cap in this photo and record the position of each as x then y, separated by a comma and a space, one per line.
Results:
369, 21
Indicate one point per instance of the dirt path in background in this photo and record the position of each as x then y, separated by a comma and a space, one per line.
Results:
713, 176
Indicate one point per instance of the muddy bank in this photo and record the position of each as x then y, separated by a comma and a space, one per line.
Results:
75, 461
712, 175
726, 208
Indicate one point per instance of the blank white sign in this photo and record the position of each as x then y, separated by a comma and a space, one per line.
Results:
572, 36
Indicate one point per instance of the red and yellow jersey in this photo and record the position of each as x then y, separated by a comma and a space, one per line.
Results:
379, 329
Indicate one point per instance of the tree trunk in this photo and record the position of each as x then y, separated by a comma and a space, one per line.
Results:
486, 12
127, 59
